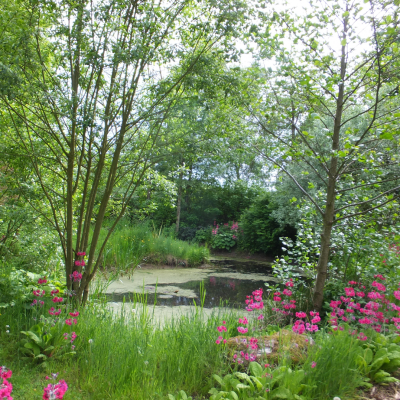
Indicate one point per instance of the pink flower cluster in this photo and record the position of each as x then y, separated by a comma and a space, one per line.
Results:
6, 387
40, 302
57, 299
71, 337
300, 326
38, 293
284, 306
53, 311
235, 226
80, 263
243, 321
221, 329
245, 356
55, 391
255, 301
251, 344
80, 253
42, 281
75, 276
370, 314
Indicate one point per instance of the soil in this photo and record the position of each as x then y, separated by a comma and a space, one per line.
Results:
242, 255
389, 392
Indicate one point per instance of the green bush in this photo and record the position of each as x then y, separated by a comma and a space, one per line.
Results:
260, 231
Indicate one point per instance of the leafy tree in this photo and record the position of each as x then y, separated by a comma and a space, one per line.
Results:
330, 109
89, 120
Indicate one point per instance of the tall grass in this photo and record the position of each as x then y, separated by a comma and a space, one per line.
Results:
131, 244
129, 358
336, 372
122, 356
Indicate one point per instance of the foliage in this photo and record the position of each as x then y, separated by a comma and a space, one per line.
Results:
324, 114
261, 383
17, 285
378, 361
96, 109
180, 396
129, 245
216, 202
44, 341
261, 231
224, 237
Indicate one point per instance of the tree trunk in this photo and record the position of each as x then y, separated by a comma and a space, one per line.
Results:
178, 204
329, 214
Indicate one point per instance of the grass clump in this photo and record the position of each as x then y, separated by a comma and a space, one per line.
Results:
129, 245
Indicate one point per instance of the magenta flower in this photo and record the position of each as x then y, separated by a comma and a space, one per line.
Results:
5, 373
56, 391
313, 364
41, 281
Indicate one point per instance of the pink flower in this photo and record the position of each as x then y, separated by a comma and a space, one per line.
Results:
313, 364
301, 314
55, 391
242, 330
379, 286
55, 291
290, 283
41, 281
5, 373
76, 276
74, 314
260, 317
362, 337
57, 299
218, 341
349, 292
287, 292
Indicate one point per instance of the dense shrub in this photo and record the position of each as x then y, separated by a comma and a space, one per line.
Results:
260, 231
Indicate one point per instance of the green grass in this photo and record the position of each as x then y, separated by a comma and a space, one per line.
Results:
128, 357
130, 245
336, 372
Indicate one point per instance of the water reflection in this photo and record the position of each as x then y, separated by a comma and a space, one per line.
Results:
219, 291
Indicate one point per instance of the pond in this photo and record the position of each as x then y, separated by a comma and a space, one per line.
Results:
225, 283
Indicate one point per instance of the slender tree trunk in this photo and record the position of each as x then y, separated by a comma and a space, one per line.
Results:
179, 203
329, 214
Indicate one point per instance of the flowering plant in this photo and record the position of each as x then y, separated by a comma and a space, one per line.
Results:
55, 390
52, 335
367, 307
6, 387
225, 236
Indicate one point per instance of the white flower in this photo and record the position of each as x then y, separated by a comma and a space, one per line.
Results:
90, 341
336, 398
133, 311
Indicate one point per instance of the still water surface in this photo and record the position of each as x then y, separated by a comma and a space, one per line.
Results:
225, 284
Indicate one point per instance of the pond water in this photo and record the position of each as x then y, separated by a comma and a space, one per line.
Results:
225, 283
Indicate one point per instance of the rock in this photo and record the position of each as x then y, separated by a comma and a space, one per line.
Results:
270, 349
